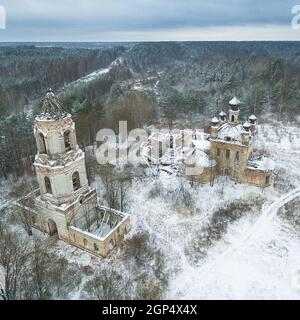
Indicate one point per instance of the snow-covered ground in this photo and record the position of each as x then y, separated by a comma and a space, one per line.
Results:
262, 265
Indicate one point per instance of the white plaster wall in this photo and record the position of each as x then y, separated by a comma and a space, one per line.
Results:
46, 212
53, 132
61, 179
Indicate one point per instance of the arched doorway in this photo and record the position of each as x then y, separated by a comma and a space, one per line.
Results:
52, 227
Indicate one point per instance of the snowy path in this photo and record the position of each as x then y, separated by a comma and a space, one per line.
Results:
222, 270
93, 75
267, 214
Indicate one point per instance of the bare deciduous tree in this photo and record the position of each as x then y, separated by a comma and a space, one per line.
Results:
88, 210
107, 285
138, 248
26, 219
14, 255
116, 184
148, 289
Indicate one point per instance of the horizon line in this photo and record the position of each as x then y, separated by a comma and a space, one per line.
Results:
136, 41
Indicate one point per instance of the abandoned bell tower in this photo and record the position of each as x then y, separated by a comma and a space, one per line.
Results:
65, 204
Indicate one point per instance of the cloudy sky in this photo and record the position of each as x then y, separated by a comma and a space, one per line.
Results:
150, 20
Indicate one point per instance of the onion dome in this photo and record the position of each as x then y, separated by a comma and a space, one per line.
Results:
247, 126
252, 119
234, 103
222, 115
215, 121
51, 107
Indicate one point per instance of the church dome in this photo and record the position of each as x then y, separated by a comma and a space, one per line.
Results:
51, 108
234, 101
215, 121
234, 104
246, 126
222, 115
252, 119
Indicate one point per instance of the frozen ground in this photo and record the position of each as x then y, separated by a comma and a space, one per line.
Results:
261, 265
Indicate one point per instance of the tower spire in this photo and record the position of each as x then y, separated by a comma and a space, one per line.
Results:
51, 107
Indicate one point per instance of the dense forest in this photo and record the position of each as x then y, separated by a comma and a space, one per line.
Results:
202, 76
145, 83
27, 70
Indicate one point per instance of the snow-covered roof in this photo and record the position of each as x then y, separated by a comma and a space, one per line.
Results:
215, 120
222, 114
43, 161
165, 135
261, 163
229, 132
246, 125
199, 158
234, 101
51, 108
201, 144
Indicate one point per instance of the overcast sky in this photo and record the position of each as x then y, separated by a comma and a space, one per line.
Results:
132, 20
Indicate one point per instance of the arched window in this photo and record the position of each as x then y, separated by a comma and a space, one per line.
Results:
42, 143
67, 140
227, 154
160, 149
232, 118
85, 242
48, 185
76, 181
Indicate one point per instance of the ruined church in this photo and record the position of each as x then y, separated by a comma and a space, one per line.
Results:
226, 151
231, 147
